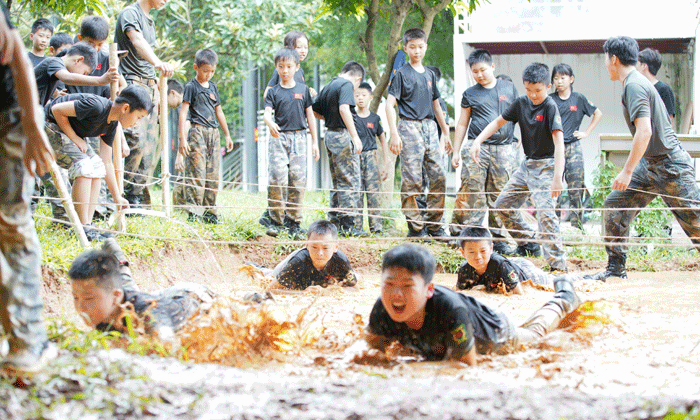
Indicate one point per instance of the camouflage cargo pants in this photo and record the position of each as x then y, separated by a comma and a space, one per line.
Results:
345, 173
533, 179
673, 176
575, 182
287, 171
20, 260
145, 147
481, 184
421, 154
370, 188
202, 168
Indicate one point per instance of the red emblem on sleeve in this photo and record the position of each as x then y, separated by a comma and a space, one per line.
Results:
298, 96
503, 98
211, 95
430, 83
99, 66
370, 125
573, 108
539, 117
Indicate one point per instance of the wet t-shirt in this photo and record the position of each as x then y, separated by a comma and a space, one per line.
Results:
414, 92
7, 86
338, 91
297, 271
101, 67
666, 94
91, 113
46, 80
572, 111
275, 79
536, 125
368, 129
203, 102
453, 324
290, 106
499, 271
133, 18
640, 99
486, 105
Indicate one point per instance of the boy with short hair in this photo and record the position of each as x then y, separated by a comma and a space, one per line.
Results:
42, 29
648, 63
414, 90
483, 181
291, 102
201, 104
320, 263
335, 104
443, 324
72, 69
369, 127
541, 171
59, 42
177, 161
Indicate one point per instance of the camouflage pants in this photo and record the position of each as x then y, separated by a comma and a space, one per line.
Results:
287, 171
671, 175
57, 209
421, 154
20, 260
145, 147
533, 179
481, 184
202, 168
575, 182
345, 173
370, 188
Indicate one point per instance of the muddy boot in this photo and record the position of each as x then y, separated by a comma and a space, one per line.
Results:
110, 245
548, 317
564, 288
616, 268
529, 249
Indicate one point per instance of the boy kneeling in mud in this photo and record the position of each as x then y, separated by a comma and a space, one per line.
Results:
443, 324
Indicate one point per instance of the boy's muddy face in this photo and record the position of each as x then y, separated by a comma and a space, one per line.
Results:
404, 295
321, 249
478, 254
93, 303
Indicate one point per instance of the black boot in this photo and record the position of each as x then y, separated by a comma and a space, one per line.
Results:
616, 268
420, 235
564, 288
529, 249
502, 248
294, 230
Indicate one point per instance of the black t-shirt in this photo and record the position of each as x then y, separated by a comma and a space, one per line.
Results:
133, 18
35, 59
572, 111
414, 92
666, 94
369, 128
290, 106
339, 91
536, 125
275, 79
453, 324
486, 105
7, 85
203, 102
298, 272
499, 271
101, 68
91, 116
46, 79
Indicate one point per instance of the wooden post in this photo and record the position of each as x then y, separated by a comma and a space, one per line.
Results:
118, 138
68, 205
165, 143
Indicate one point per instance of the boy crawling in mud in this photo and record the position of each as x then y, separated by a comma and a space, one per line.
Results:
443, 324
494, 272
320, 263
103, 287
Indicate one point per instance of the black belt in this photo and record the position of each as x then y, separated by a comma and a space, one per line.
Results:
143, 80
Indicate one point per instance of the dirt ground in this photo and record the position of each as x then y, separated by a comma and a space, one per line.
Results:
645, 361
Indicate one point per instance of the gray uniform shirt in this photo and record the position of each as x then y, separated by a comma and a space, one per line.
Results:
640, 99
133, 18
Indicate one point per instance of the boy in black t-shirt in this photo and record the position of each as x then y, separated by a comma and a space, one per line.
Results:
291, 102
202, 148
541, 171
335, 105
59, 42
72, 118
443, 324
321, 263
483, 181
42, 30
648, 63
369, 127
414, 90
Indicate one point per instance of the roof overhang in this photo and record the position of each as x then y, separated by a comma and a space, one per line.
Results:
593, 46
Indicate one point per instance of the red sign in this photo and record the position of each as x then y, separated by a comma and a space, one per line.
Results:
370, 125
99, 66
539, 117
298, 96
503, 98
573, 108
211, 95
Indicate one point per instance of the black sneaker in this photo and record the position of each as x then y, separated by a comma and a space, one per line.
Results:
502, 248
294, 230
529, 249
352, 232
94, 235
420, 235
439, 235
192, 217
265, 219
211, 218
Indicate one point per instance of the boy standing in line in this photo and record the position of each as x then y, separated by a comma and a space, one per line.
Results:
483, 181
541, 171
414, 90
369, 127
335, 104
649, 63
42, 29
202, 148
177, 161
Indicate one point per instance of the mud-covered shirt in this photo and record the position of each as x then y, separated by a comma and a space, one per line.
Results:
500, 271
536, 125
338, 91
667, 96
572, 111
203, 102
133, 18
290, 106
297, 271
414, 92
46, 80
7, 86
275, 79
486, 105
101, 67
453, 324
91, 113
368, 129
